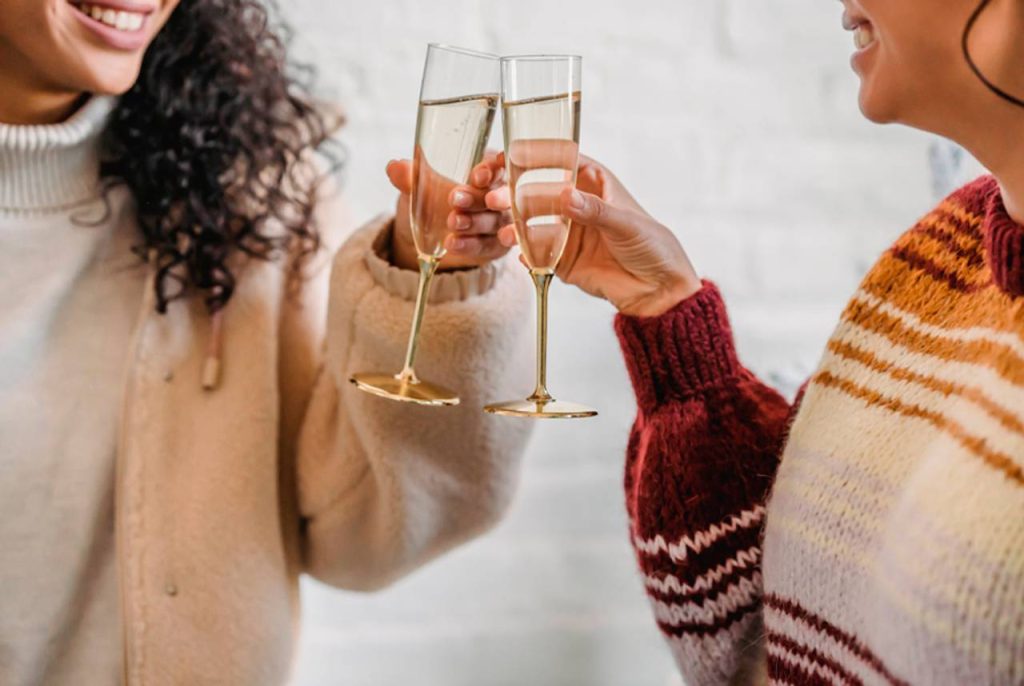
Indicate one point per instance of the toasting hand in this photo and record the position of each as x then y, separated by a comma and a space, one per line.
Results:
469, 225
615, 250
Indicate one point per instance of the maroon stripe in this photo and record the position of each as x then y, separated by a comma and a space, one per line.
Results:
973, 257
814, 656
697, 564
935, 271
942, 214
781, 669
713, 627
849, 641
712, 593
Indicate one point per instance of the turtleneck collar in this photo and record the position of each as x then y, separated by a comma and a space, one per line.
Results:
1004, 243
53, 167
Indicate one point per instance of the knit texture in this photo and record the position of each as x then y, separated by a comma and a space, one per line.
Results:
891, 548
47, 168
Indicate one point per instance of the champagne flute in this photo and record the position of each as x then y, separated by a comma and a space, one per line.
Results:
541, 121
458, 98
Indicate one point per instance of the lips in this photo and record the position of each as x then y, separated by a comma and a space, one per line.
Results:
120, 24
863, 31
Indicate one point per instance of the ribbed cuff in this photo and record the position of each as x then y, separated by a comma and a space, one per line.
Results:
447, 287
681, 353
1004, 246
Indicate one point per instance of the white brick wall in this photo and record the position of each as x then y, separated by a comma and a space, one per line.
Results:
735, 123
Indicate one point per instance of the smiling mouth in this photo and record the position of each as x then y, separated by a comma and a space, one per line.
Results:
118, 18
863, 31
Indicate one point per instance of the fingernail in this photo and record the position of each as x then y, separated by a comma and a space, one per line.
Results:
481, 177
576, 200
463, 222
463, 199
456, 244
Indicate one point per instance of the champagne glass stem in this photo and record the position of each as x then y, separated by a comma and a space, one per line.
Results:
542, 282
428, 267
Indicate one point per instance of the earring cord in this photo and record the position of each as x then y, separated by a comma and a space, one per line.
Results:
974, 67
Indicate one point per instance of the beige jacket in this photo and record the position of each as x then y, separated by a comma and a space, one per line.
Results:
226, 496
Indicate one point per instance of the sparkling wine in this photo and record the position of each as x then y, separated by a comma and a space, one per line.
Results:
542, 144
451, 136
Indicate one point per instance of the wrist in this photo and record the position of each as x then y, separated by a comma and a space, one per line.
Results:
659, 302
401, 254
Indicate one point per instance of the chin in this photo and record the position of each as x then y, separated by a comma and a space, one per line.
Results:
112, 81
876, 107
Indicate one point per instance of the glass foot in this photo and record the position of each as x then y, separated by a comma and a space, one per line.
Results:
391, 387
541, 409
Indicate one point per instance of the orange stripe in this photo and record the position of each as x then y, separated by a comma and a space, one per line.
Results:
936, 303
996, 356
993, 458
869, 360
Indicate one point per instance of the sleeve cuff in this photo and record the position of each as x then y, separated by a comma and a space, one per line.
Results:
682, 353
447, 287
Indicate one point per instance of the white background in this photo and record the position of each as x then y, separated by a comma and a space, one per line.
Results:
735, 123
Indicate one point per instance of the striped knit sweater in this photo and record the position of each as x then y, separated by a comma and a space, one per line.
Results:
875, 536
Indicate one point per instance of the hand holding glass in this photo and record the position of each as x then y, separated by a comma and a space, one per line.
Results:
458, 98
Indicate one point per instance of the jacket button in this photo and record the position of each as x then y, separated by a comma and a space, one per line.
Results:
171, 590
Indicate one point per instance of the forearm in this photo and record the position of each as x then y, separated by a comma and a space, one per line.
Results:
386, 486
701, 460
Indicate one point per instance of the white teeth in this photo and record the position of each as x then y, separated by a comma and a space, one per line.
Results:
863, 36
122, 21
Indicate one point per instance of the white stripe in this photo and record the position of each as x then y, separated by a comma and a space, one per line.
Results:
670, 584
961, 335
744, 593
997, 388
716, 658
972, 418
701, 540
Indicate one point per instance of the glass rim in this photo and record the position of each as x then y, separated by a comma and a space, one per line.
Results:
542, 58
463, 51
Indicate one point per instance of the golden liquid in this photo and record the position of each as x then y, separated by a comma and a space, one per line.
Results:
542, 150
451, 136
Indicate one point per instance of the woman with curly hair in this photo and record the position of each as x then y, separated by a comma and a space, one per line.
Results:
178, 439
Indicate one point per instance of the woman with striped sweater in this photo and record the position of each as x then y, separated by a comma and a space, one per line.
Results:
872, 532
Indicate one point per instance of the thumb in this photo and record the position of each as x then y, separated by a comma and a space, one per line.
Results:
591, 210
400, 175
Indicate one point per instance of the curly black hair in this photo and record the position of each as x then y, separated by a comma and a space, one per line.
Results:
215, 143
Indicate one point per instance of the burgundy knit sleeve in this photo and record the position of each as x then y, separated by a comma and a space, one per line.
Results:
702, 456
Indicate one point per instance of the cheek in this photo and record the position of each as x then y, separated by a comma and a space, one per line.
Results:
914, 58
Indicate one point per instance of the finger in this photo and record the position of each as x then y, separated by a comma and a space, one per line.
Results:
467, 199
591, 179
487, 171
400, 174
592, 210
485, 247
529, 153
499, 200
476, 223
507, 235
